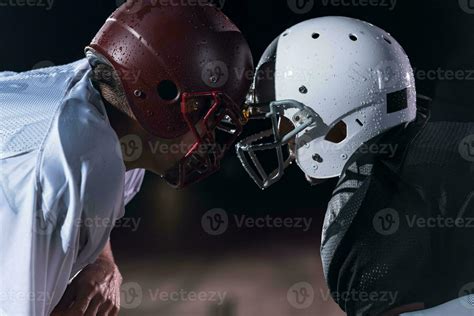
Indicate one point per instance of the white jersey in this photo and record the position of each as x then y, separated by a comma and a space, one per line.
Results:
61, 184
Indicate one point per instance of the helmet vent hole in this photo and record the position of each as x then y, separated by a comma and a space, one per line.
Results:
353, 37
167, 90
359, 122
338, 133
315, 35
387, 40
285, 34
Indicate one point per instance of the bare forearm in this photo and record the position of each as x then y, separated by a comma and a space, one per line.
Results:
106, 253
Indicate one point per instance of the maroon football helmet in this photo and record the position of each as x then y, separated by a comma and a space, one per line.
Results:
194, 69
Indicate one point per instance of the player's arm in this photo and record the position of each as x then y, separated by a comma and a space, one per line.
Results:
95, 290
107, 254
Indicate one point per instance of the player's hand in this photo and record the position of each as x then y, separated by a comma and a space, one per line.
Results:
95, 291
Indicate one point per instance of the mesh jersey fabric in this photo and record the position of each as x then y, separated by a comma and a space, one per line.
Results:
369, 270
29, 101
61, 183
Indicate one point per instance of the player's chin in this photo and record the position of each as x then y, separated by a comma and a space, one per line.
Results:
314, 181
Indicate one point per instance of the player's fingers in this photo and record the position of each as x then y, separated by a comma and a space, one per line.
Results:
66, 301
83, 299
115, 306
94, 305
115, 311
108, 309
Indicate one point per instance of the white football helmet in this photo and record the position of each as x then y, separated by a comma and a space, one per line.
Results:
341, 82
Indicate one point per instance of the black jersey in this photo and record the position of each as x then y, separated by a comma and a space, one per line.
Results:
399, 228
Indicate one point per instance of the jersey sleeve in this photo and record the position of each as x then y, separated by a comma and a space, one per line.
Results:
82, 174
133, 183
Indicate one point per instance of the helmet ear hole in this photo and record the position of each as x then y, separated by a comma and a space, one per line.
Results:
338, 133
353, 37
167, 90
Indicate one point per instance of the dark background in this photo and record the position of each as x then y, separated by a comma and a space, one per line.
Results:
436, 34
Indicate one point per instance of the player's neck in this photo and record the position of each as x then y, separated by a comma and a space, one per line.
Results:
133, 137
